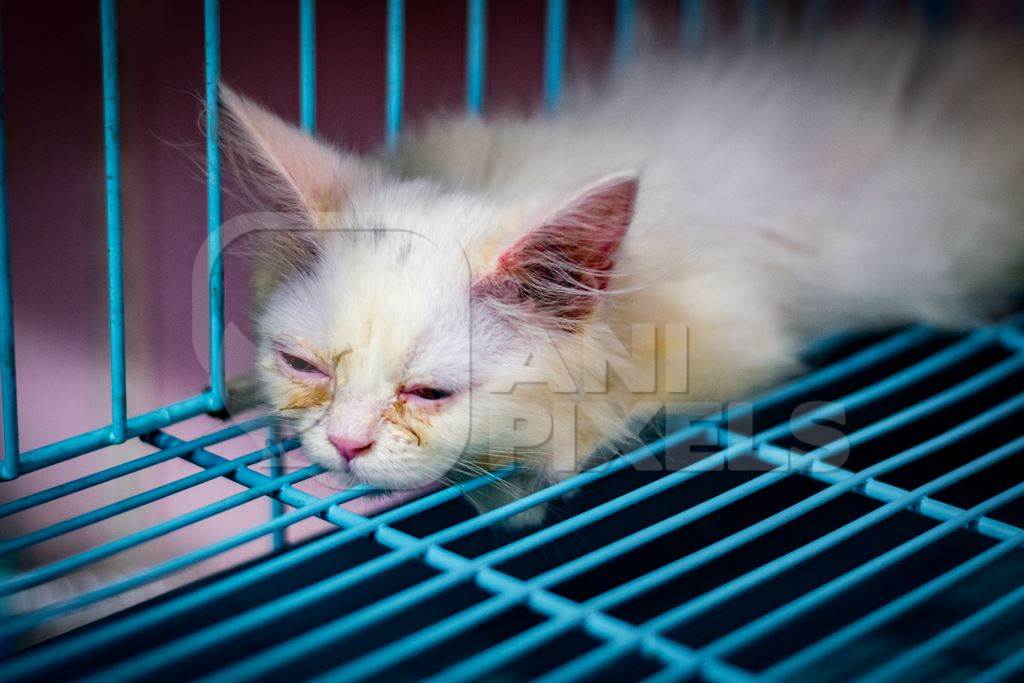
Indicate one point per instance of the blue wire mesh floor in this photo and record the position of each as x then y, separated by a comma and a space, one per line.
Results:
727, 551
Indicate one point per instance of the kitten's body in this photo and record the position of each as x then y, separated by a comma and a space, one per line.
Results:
861, 181
782, 195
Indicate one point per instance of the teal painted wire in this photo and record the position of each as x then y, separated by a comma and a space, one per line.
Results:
786, 669
121, 433
406, 549
100, 552
933, 366
856, 362
214, 211
554, 53
1006, 670
571, 525
307, 118
377, 660
960, 391
886, 493
865, 357
247, 477
675, 569
1011, 337
279, 538
66, 565
22, 623
590, 560
9, 462
898, 668
749, 533
595, 660
474, 667
758, 576
512, 590
625, 32
500, 652
670, 674
458, 572
307, 65
115, 277
229, 629
122, 469
79, 648
694, 18
508, 591
476, 55
43, 456
395, 70
152, 618
768, 623
907, 376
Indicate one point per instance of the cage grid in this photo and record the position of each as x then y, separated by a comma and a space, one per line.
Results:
613, 629
727, 550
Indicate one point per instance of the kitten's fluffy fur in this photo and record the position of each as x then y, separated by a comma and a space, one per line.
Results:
770, 196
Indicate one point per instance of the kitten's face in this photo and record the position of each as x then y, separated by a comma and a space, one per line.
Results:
375, 351
398, 320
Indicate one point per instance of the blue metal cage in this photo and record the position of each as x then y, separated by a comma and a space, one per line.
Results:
723, 551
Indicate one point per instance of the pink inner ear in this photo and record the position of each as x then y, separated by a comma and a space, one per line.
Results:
561, 266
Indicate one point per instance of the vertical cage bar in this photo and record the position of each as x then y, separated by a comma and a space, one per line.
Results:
691, 32
9, 397
554, 53
395, 69
279, 537
625, 31
476, 54
307, 119
307, 65
211, 22
115, 277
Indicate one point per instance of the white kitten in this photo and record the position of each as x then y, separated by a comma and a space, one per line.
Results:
456, 305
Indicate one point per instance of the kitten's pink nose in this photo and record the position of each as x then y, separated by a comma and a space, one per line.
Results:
349, 448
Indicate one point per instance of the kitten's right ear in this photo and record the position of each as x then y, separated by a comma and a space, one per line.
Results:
286, 168
561, 267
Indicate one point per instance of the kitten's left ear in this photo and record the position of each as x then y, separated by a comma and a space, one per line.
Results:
287, 168
561, 267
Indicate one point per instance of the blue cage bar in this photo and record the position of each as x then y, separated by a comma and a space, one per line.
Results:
554, 52
115, 248
9, 465
476, 55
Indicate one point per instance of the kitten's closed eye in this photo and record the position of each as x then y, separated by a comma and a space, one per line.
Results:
426, 393
297, 365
